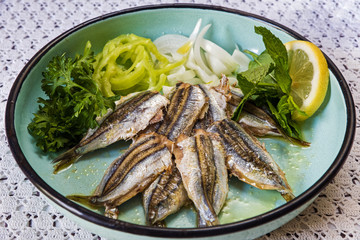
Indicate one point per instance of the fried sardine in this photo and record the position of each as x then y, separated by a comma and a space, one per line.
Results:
248, 159
201, 162
131, 115
131, 173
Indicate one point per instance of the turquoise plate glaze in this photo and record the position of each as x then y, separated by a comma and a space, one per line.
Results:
248, 212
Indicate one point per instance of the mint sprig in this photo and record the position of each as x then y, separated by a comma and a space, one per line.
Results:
267, 83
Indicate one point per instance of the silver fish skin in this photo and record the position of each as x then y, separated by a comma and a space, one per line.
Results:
256, 121
201, 162
130, 173
165, 196
215, 110
253, 119
132, 114
217, 103
236, 95
187, 105
248, 160
221, 187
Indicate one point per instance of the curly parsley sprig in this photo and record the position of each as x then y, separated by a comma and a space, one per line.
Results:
73, 102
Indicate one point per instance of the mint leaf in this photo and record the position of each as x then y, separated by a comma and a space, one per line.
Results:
249, 83
250, 78
276, 49
260, 60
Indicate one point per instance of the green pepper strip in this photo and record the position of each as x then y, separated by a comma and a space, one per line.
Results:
148, 65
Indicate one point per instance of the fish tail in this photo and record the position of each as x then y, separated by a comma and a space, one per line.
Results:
297, 141
65, 160
286, 193
89, 201
111, 212
288, 196
201, 222
160, 224
293, 140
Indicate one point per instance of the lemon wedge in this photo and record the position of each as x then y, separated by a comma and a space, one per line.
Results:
309, 72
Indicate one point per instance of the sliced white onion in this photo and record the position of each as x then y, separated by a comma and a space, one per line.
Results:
185, 48
241, 59
182, 75
170, 41
168, 45
220, 53
216, 65
188, 76
196, 30
206, 61
201, 73
197, 51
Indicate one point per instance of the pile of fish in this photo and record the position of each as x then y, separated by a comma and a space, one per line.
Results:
184, 146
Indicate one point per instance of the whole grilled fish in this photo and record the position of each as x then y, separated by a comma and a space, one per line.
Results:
187, 105
165, 196
131, 173
248, 159
132, 114
201, 162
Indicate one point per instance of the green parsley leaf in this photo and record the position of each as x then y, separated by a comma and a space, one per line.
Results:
73, 102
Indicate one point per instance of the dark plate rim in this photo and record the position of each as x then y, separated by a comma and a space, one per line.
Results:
103, 221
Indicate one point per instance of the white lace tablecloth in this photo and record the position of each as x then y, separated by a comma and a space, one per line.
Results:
27, 25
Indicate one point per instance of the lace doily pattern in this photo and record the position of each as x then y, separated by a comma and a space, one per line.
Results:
26, 26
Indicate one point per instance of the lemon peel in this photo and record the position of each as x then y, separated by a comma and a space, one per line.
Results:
309, 72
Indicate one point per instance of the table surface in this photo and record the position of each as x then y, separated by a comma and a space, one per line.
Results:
27, 25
